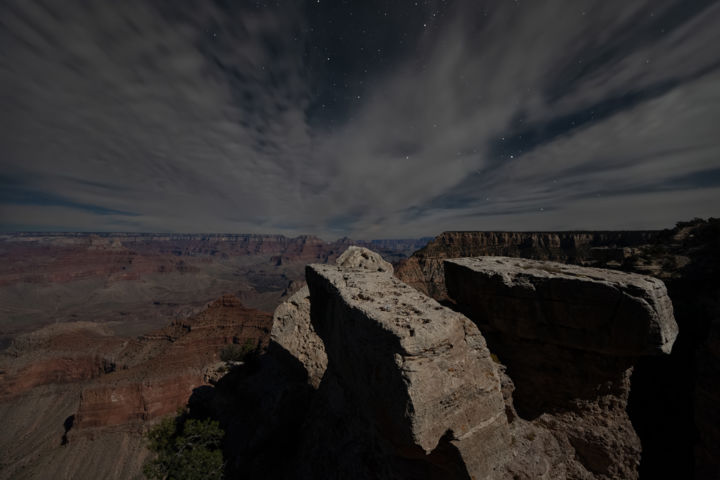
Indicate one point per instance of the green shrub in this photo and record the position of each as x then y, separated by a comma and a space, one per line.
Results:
185, 449
237, 353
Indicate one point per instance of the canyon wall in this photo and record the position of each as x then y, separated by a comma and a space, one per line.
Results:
76, 398
139, 282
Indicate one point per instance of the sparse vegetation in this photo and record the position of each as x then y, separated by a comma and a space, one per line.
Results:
185, 449
237, 353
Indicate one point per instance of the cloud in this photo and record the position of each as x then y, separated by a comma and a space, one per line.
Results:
141, 118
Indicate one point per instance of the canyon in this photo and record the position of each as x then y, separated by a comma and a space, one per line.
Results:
135, 283
102, 334
598, 359
366, 377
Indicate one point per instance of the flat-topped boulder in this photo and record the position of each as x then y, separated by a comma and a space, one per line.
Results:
592, 309
420, 375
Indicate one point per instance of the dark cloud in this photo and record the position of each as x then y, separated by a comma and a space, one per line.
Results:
371, 119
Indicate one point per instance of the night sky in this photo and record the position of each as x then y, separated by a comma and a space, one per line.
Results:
372, 119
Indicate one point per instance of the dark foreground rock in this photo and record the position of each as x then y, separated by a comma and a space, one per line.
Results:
569, 336
592, 309
417, 377
683, 388
366, 377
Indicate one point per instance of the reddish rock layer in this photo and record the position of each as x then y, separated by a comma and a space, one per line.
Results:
157, 374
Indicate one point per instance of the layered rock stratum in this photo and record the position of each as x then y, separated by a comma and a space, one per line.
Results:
76, 399
140, 282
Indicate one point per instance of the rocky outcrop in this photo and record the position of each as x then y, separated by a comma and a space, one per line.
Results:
359, 257
416, 378
569, 336
293, 330
591, 309
424, 269
407, 388
682, 388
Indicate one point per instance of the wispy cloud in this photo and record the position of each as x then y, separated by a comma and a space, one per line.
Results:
538, 115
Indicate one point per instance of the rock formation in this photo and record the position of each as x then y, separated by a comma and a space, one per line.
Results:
388, 383
598, 310
359, 257
293, 330
682, 388
416, 378
569, 336
424, 269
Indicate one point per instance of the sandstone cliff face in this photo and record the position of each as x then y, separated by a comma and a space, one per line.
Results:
293, 330
57, 354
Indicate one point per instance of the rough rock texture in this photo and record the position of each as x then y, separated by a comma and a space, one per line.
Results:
359, 257
585, 308
409, 391
568, 336
417, 374
293, 330
682, 388
424, 269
